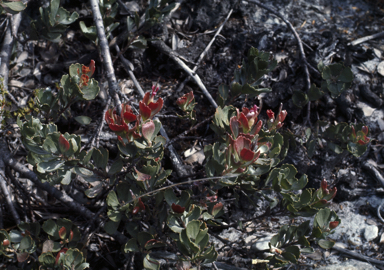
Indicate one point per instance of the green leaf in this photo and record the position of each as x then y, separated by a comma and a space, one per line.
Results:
326, 244
116, 166
311, 147
50, 166
15, 6
47, 259
112, 200
111, 227
84, 120
150, 263
193, 229
131, 246
89, 32
26, 243
299, 98
143, 238
314, 93
90, 91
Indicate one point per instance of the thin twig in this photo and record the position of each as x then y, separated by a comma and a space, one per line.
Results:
189, 130
202, 55
95, 139
105, 53
159, 44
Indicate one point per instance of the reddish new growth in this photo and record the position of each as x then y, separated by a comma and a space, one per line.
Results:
148, 107
333, 224
361, 136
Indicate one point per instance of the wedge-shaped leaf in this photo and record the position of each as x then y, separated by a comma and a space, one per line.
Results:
13, 7
89, 32
47, 260
112, 200
26, 243
116, 166
299, 98
90, 91
314, 93
150, 263
64, 17
94, 191
50, 166
143, 238
131, 246
326, 244
111, 227
193, 229
84, 120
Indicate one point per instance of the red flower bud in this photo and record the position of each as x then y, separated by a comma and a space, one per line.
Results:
6, 243
333, 224
271, 114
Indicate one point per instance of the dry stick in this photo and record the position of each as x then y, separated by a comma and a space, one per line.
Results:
7, 196
64, 198
96, 137
5, 54
105, 53
175, 159
182, 85
301, 48
165, 49
364, 39
358, 256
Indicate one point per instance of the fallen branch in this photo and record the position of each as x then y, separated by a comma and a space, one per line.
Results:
105, 53
168, 51
364, 39
358, 256
202, 55
5, 53
7, 195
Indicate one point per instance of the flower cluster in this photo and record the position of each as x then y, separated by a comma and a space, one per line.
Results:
86, 73
129, 126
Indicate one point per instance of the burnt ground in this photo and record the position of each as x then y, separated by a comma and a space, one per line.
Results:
326, 28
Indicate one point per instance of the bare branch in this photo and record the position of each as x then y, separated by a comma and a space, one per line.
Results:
105, 53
